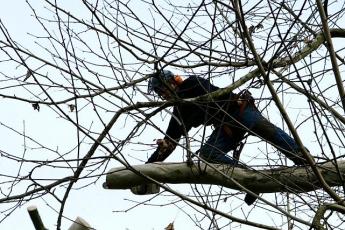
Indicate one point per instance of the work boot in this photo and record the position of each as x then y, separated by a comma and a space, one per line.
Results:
250, 199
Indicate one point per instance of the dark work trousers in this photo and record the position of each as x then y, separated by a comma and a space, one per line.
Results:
227, 137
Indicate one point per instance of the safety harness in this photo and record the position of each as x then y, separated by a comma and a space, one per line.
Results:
243, 99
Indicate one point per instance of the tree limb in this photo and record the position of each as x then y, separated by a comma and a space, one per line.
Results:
295, 179
319, 215
36, 218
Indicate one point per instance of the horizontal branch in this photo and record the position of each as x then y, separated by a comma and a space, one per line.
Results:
293, 179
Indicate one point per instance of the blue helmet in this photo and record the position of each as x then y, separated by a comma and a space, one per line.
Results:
159, 80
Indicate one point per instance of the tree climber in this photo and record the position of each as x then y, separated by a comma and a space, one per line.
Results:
232, 115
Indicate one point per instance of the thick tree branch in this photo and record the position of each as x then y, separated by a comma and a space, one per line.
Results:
285, 179
276, 63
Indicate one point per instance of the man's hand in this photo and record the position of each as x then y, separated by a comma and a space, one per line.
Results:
162, 143
165, 148
165, 145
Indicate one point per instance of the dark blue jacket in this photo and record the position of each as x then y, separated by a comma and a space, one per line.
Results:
193, 114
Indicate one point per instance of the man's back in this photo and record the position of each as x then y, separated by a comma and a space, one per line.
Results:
198, 113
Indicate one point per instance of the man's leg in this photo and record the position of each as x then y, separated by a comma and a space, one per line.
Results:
260, 126
222, 140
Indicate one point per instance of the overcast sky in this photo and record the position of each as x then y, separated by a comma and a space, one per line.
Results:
97, 206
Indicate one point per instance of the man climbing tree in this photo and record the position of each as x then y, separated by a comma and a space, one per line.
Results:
232, 115
72, 77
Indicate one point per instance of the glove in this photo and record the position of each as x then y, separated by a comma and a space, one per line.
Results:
164, 145
165, 148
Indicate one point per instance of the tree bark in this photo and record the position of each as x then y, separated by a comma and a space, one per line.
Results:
36, 218
295, 179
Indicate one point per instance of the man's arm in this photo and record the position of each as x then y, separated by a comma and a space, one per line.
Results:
165, 148
173, 134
